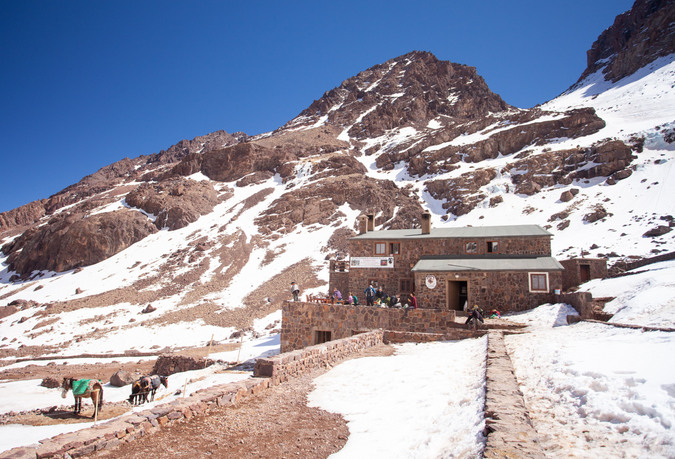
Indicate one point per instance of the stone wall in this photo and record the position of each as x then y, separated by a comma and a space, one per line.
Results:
571, 276
303, 323
505, 291
282, 367
166, 365
396, 337
587, 306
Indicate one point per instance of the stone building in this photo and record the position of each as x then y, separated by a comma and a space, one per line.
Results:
509, 268
581, 270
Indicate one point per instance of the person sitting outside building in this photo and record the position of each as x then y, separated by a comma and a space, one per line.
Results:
412, 301
337, 295
380, 295
494, 314
392, 301
474, 313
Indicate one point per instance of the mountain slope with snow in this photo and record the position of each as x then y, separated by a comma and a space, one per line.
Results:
593, 166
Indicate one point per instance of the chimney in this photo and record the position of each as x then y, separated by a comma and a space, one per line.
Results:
426, 223
371, 222
363, 224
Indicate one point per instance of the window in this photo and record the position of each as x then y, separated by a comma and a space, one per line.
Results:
471, 247
394, 248
492, 247
380, 248
406, 286
321, 336
538, 282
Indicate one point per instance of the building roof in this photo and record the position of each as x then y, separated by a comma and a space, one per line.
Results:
448, 263
461, 232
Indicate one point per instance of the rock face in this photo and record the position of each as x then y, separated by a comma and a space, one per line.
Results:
22, 216
409, 90
213, 141
636, 38
75, 240
319, 204
175, 203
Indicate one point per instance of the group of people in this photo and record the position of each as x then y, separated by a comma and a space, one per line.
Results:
377, 297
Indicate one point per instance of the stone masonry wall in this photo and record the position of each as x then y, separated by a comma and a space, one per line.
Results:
396, 337
505, 291
301, 321
295, 363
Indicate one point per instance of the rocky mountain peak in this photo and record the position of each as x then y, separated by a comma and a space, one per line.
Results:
636, 38
410, 90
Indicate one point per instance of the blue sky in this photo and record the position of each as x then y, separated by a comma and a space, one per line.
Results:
87, 83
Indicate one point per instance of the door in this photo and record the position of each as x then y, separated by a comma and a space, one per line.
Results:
584, 273
456, 295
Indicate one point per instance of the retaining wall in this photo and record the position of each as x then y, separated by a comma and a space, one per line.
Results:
295, 363
301, 321
396, 337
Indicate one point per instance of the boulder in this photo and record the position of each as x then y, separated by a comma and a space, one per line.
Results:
658, 231
122, 378
50, 383
566, 196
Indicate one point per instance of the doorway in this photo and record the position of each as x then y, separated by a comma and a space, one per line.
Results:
458, 293
584, 273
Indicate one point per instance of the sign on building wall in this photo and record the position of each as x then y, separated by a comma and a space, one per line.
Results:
430, 280
371, 262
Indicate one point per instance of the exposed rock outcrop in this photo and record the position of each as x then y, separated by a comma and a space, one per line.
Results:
636, 38
320, 202
75, 240
175, 203
410, 90
22, 216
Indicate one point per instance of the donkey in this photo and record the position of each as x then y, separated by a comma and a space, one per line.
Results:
82, 388
139, 391
144, 386
155, 382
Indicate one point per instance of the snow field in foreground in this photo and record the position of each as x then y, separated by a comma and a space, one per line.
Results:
598, 391
425, 401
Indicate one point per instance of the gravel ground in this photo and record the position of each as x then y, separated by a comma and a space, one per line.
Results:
277, 423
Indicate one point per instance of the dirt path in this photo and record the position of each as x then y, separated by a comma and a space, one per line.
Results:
277, 423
